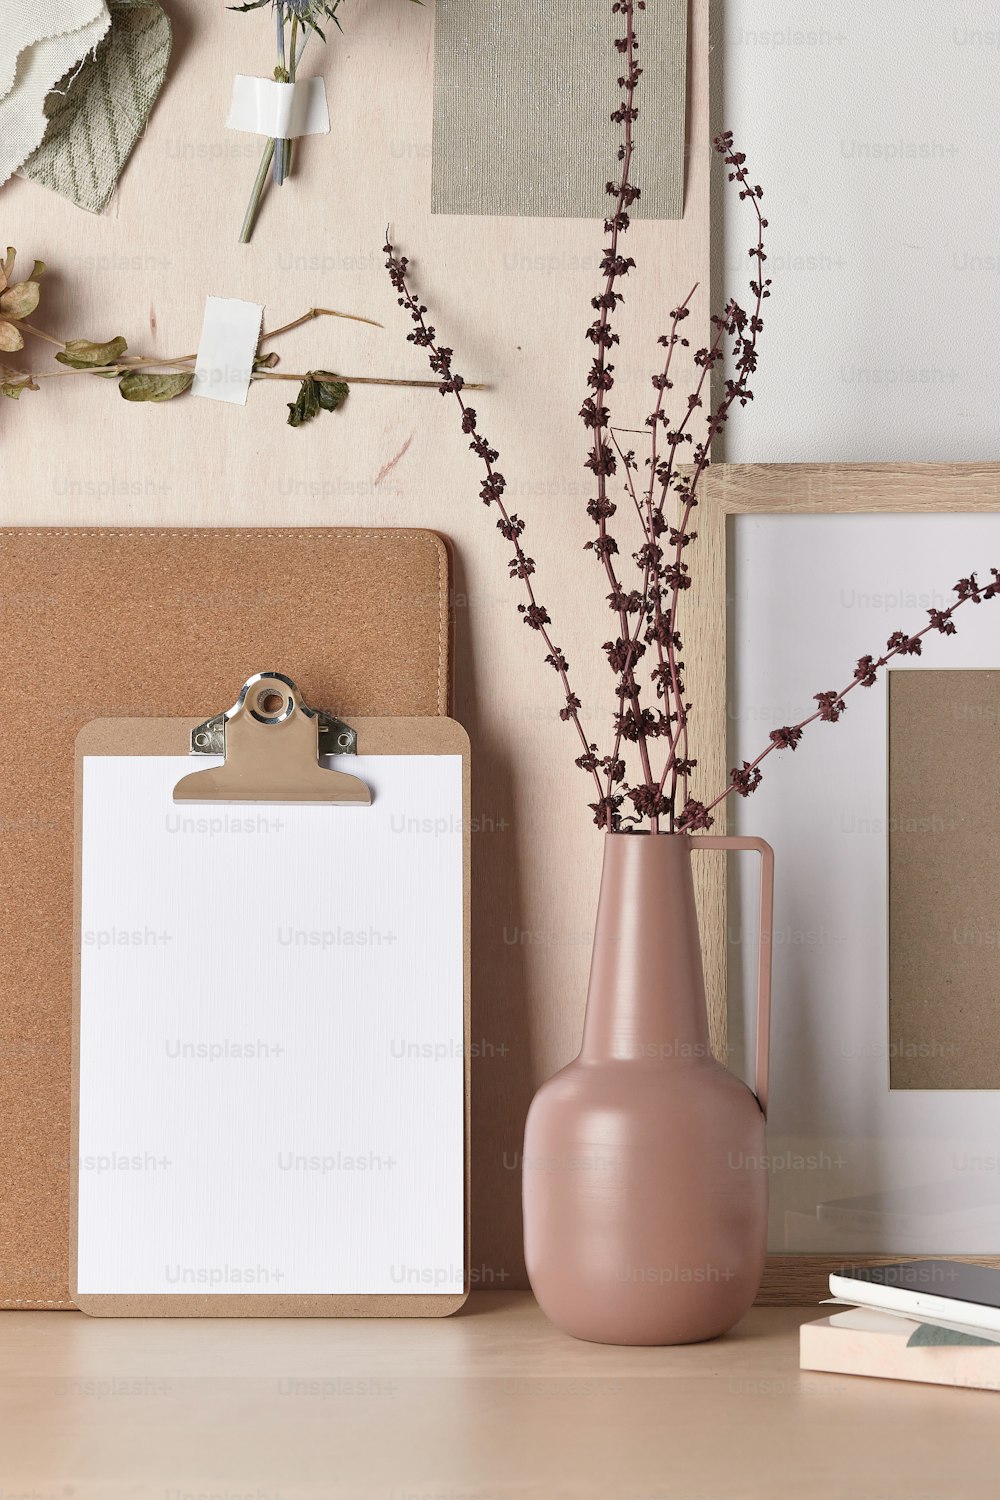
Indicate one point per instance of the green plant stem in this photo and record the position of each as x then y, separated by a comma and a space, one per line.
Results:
257, 193
283, 156
263, 171
30, 328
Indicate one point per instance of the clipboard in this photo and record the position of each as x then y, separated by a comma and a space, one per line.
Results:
271, 1119
117, 622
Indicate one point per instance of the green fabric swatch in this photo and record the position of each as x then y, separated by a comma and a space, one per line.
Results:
97, 113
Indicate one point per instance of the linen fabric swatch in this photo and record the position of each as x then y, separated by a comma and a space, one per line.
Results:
39, 45
522, 105
26, 26
95, 120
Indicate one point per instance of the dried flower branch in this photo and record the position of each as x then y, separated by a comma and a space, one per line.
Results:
745, 779
648, 617
491, 492
632, 723
155, 379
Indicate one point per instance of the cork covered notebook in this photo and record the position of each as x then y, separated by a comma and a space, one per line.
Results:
120, 623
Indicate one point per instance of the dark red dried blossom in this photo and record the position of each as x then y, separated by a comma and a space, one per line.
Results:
695, 816
648, 801
941, 620
831, 706
535, 615
866, 671
623, 654
745, 779
625, 603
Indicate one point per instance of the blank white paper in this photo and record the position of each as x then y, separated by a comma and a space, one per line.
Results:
271, 1036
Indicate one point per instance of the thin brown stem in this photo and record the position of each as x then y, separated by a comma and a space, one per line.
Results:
360, 380
510, 525
601, 381
126, 368
317, 312
632, 637
865, 674
37, 332
654, 422
737, 390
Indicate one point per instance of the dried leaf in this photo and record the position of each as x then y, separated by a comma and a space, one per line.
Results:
38, 269
306, 404
20, 300
319, 391
136, 386
333, 392
82, 354
266, 361
6, 266
15, 386
10, 338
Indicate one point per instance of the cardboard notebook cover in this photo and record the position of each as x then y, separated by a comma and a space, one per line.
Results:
120, 623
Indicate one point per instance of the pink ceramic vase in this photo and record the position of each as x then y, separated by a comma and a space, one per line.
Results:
645, 1176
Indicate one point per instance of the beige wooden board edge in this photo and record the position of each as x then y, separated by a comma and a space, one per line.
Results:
788, 489
391, 736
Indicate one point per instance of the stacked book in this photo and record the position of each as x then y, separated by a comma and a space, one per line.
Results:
937, 1322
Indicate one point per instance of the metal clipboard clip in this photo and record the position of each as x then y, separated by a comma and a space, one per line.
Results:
272, 743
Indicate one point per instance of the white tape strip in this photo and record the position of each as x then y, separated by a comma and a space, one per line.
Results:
281, 111
230, 334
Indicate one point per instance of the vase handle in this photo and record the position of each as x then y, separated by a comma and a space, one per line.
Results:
722, 841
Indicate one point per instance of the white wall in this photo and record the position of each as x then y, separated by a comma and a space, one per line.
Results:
874, 132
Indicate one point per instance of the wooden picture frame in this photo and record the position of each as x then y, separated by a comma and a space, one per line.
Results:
787, 489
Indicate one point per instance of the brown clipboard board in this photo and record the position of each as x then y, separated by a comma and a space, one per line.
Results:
172, 737
115, 622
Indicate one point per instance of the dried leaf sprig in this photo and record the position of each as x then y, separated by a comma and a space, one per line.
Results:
154, 378
18, 301
648, 617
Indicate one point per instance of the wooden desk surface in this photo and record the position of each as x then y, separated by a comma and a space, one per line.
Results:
493, 1404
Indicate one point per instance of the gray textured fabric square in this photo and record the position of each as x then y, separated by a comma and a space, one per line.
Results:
522, 99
